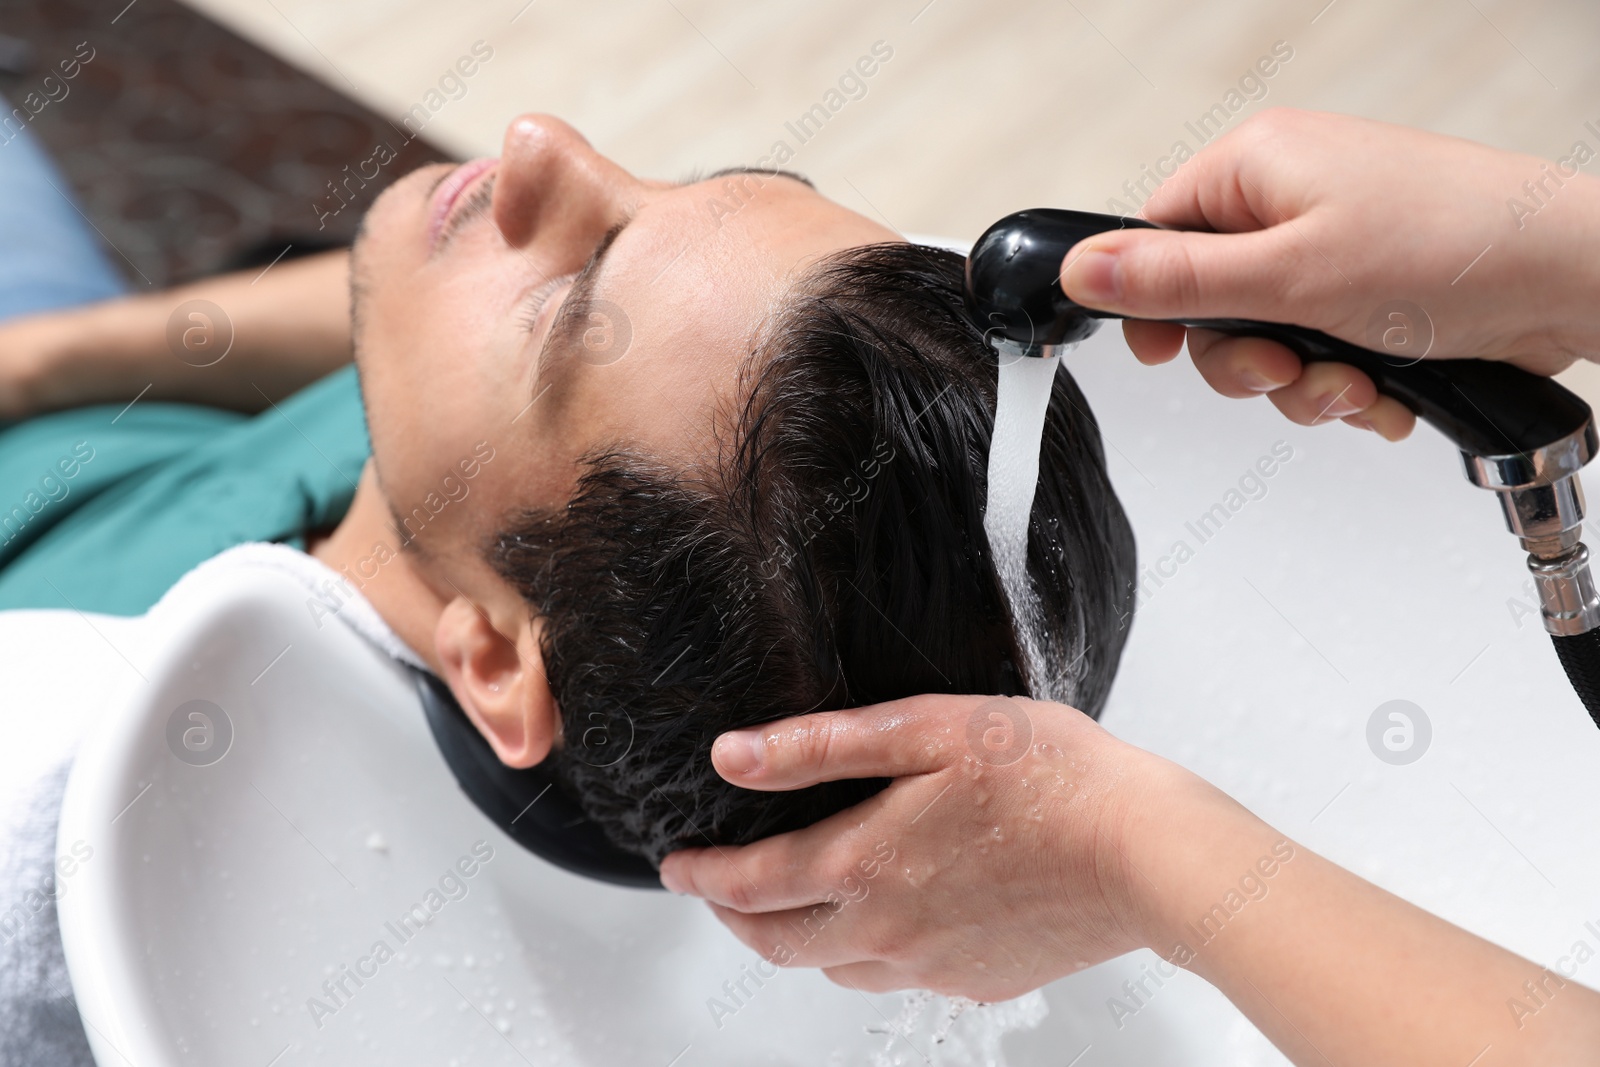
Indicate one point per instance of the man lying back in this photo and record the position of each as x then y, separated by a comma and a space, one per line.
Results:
648, 461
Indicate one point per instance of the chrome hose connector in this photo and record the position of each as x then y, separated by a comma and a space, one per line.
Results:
1542, 501
1568, 602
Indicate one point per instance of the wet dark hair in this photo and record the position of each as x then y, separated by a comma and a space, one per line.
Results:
835, 556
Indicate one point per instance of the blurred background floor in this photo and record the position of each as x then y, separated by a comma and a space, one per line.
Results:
984, 106
190, 149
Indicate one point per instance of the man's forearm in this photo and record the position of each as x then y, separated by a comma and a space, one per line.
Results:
1335, 970
235, 341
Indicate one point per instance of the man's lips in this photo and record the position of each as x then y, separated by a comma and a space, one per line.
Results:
450, 190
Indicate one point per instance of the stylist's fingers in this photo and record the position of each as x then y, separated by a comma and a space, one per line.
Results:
773, 874
1323, 392
870, 976
731, 884
1153, 343
814, 936
896, 739
1387, 417
1153, 274
826, 859
1242, 366
1248, 366
1311, 394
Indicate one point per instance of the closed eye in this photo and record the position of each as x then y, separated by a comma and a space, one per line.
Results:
532, 305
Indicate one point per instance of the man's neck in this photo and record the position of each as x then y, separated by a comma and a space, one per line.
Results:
364, 548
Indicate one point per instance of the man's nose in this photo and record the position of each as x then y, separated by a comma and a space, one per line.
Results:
552, 183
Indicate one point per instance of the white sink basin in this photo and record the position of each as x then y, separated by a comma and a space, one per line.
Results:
322, 892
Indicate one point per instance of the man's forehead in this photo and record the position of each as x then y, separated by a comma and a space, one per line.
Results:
650, 360
679, 302
673, 279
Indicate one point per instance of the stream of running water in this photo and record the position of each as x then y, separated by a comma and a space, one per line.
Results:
1021, 400
927, 1030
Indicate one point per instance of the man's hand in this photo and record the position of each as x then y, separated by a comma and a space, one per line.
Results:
236, 341
1390, 238
990, 866
31, 346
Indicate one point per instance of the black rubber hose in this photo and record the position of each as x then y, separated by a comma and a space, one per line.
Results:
1580, 656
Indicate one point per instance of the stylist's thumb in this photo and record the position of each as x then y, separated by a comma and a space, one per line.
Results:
1150, 274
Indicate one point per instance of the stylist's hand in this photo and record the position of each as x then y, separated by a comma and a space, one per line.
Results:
1322, 220
1020, 842
997, 861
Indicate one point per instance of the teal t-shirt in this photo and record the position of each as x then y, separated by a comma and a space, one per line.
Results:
103, 508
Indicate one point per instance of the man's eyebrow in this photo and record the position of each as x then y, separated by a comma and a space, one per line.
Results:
575, 308
770, 172
574, 311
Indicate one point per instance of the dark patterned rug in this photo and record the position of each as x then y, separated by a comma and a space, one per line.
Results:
191, 149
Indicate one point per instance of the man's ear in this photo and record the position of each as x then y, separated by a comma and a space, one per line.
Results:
499, 681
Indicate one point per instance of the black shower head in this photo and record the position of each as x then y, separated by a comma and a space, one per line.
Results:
1014, 279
